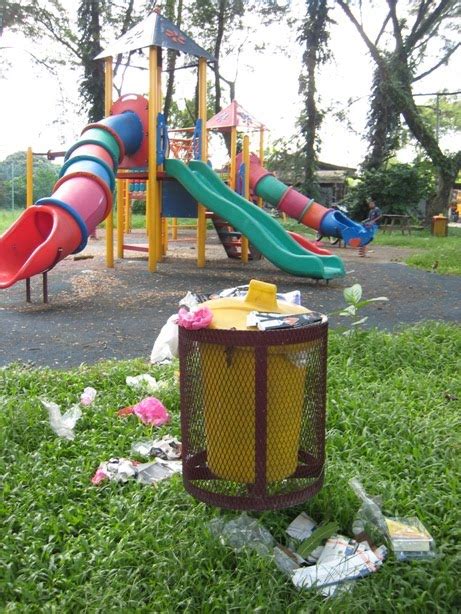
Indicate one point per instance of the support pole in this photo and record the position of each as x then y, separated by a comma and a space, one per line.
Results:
201, 221
152, 201
246, 189
261, 156
233, 156
159, 227
107, 110
120, 216
29, 178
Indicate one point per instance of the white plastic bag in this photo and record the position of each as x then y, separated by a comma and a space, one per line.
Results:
166, 345
62, 424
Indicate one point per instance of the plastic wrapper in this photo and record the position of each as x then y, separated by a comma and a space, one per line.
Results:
243, 532
166, 345
167, 448
88, 396
63, 424
409, 539
370, 509
145, 382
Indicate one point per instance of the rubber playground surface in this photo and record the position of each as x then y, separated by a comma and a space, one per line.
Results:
96, 313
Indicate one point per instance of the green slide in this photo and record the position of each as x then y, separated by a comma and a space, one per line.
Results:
265, 233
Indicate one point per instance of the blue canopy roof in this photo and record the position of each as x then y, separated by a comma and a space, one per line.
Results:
155, 30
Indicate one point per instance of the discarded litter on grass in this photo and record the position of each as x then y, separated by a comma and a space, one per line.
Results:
342, 560
124, 469
150, 411
410, 540
408, 537
145, 382
166, 448
88, 396
62, 424
242, 532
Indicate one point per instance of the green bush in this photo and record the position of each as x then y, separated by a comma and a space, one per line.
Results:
395, 189
139, 207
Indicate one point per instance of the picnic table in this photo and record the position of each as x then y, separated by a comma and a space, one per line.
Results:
391, 222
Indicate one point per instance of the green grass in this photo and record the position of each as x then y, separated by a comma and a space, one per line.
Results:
66, 546
444, 251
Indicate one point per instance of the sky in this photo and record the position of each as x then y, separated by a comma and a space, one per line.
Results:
34, 112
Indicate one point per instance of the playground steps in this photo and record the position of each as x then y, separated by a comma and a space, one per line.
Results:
232, 240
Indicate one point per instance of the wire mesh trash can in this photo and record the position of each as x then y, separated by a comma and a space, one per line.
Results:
253, 414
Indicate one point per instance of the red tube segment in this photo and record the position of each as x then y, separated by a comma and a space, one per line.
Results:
87, 194
302, 208
40, 237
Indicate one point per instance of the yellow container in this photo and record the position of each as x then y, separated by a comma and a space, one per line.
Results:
439, 226
229, 393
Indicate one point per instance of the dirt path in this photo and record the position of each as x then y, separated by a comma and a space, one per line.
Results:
95, 313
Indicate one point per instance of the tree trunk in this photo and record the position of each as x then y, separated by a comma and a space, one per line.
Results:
172, 55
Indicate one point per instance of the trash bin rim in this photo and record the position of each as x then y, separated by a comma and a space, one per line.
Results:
252, 338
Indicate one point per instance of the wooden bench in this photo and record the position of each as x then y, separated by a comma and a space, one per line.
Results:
390, 222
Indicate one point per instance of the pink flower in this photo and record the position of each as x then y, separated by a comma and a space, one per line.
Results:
151, 411
195, 319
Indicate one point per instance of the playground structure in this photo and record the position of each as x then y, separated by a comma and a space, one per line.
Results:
131, 144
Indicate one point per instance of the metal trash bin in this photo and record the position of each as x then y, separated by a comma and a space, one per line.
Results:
439, 226
253, 406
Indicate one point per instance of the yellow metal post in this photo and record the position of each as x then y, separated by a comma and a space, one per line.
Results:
120, 216
159, 227
233, 155
152, 200
261, 156
174, 228
127, 206
29, 178
202, 113
107, 109
246, 189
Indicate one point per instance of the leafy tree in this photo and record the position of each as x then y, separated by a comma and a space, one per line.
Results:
92, 84
13, 179
216, 23
78, 35
430, 22
315, 36
397, 188
174, 12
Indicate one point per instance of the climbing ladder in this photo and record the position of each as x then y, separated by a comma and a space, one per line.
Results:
232, 240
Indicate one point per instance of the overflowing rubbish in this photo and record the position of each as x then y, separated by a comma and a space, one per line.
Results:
124, 469
150, 411
263, 320
194, 319
166, 448
63, 424
165, 347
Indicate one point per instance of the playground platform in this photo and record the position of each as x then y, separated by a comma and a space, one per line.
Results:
94, 313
